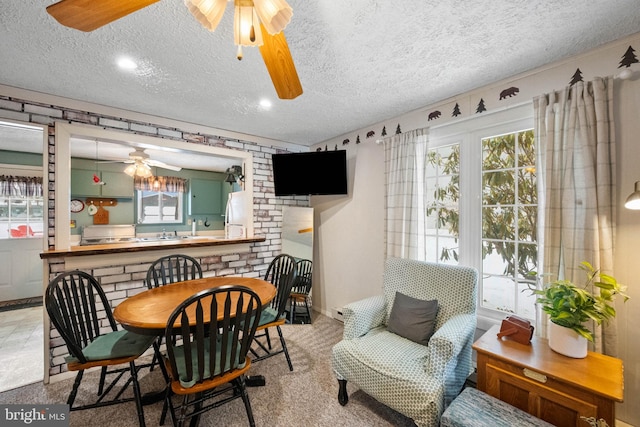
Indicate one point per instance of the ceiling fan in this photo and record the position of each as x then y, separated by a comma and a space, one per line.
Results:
141, 164
272, 15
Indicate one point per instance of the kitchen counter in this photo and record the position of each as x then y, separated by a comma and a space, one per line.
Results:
140, 246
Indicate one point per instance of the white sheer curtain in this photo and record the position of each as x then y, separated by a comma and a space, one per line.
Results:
575, 132
405, 221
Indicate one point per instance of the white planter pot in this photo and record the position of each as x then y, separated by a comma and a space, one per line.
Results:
567, 341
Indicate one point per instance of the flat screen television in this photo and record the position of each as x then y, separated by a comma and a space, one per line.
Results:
316, 172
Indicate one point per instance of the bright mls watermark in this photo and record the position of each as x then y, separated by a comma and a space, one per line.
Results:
54, 415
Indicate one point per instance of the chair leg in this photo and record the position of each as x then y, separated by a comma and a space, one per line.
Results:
294, 306
343, 397
158, 355
284, 347
74, 390
103, 376
266, 333
245, 398
136, 393
306, 304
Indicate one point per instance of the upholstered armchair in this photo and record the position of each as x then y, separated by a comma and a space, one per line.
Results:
420, 375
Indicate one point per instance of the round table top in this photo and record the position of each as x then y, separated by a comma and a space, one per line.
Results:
148, 312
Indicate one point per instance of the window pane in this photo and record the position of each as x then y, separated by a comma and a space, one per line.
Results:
498, 223
498, 293
527, 223
498, 188
498, 152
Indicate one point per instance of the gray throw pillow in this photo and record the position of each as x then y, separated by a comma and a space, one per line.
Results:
413, 319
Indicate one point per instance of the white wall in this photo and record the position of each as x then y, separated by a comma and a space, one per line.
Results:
349, 253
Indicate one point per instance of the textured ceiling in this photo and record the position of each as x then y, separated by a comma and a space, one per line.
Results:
359, 61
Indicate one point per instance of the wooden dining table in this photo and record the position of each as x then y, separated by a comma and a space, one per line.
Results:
148, 312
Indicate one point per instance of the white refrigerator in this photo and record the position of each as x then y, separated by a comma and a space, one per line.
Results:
237, 219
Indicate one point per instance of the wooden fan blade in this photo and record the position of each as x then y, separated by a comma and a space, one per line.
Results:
87, 15
277, 57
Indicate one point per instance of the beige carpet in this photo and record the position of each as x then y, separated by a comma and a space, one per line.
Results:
305, 397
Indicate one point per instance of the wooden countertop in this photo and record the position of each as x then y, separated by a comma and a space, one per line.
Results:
114, 248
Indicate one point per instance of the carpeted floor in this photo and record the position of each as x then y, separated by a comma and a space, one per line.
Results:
305, 397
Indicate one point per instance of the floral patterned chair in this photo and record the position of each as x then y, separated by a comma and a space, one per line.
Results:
415, 379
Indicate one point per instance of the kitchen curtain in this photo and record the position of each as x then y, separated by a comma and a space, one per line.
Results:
167, 184
20, 186
405, 167
574, 129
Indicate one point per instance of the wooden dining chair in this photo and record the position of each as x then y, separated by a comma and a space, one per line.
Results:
171, 269
282, 273
207, 359
80, 311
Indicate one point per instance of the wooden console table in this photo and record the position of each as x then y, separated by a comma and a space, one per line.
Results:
546, 384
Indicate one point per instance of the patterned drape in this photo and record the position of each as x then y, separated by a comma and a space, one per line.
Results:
575, 132
170, 184
405, 159
20, 186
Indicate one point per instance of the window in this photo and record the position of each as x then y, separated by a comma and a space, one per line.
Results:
21, 216
482, 208
159, 207
509, 221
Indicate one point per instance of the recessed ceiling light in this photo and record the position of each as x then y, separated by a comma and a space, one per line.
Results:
265, 103
127, 64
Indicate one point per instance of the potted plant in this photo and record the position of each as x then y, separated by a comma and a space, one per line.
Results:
569, 307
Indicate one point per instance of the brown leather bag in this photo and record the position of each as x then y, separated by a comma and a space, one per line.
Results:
516, 329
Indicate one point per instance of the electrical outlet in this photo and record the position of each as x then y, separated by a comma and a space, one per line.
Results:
189, 221
199, 222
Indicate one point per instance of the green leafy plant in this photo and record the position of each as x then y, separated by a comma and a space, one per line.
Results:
571, 306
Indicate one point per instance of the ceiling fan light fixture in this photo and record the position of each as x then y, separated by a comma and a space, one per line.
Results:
139, 169
130, 170
207, 12
275, 15
246, 25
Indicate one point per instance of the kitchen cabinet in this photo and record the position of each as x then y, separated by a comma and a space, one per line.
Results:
546, 384
118, 184
205, 197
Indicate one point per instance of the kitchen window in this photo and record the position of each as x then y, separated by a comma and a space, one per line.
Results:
160, 200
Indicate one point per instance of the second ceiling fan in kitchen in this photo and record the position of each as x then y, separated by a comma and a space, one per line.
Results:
140, 164
256, 23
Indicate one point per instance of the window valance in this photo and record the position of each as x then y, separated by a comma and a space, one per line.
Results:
20, 186
171, 184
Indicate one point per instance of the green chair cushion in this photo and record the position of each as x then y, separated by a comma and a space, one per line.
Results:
231, 362
115, 345
268, 315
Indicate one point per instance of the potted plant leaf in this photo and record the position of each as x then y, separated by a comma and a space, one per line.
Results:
569, 307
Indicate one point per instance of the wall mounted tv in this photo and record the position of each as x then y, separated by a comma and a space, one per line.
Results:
316, 172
